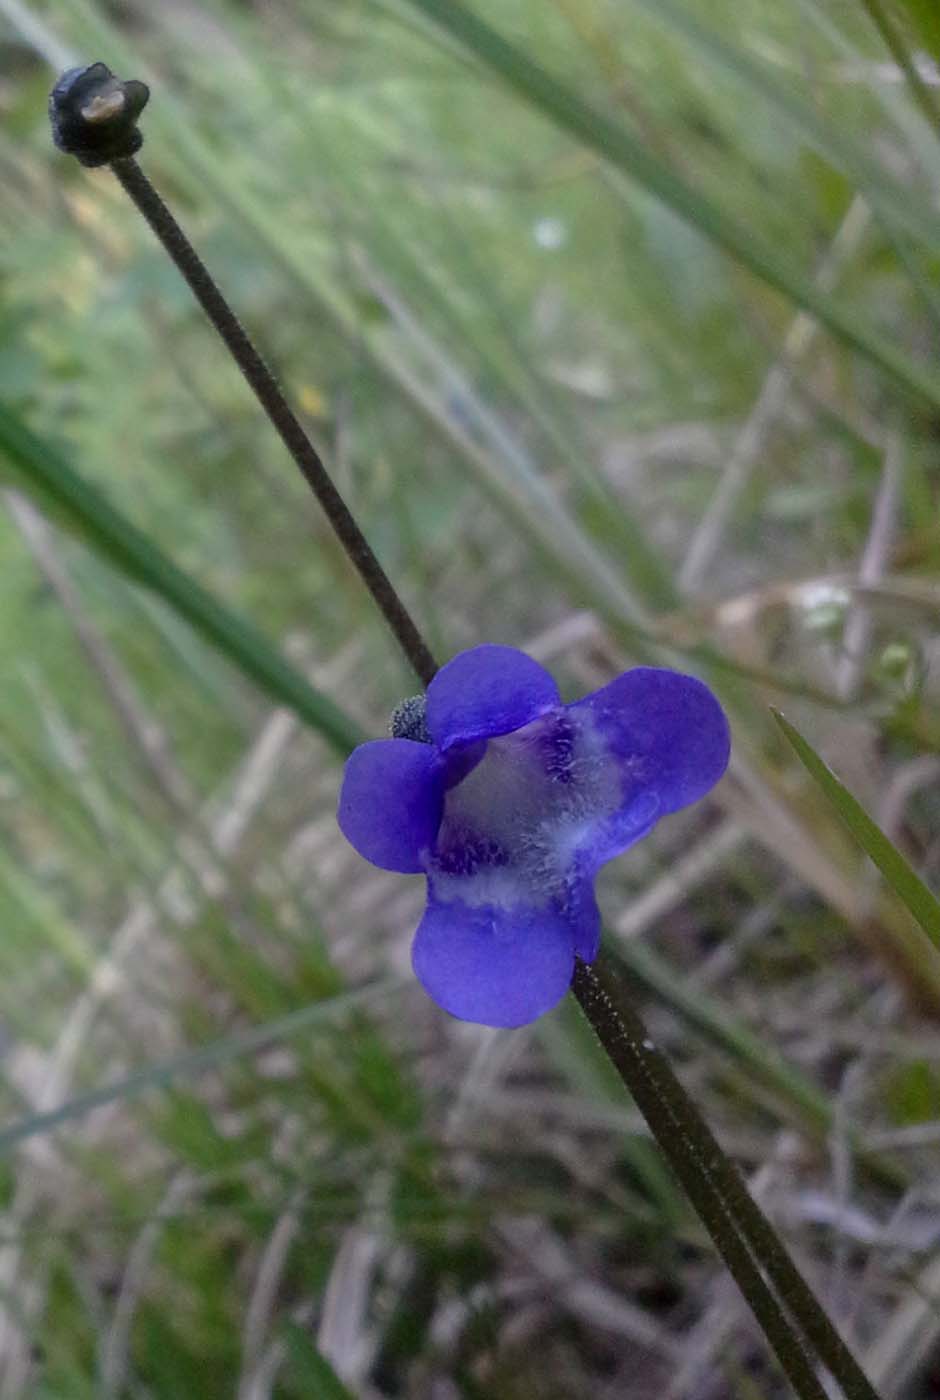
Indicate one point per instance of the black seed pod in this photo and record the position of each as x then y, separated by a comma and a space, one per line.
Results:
94, 115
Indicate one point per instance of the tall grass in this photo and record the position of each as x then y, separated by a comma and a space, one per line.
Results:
540, 276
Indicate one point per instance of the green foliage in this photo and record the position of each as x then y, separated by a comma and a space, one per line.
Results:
543, 280
84, 508
905, 882
616, 145
926, 23
310, 1373
913, 1093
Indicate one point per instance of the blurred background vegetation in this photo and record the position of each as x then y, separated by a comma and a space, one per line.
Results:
552, 334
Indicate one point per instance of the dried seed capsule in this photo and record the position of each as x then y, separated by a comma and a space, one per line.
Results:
94, 114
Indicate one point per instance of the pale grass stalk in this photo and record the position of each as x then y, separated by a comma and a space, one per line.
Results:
228, 821
751, 441
913, 1135
542, 1250
875, 557
346, 1334
548, 1260
67, 749
275, 1354
762, 810
675, 885
27, 23
851, 1095
492, 448
115, 1347
750, 929
263, 1299
147, 737
908, 1336
909, 778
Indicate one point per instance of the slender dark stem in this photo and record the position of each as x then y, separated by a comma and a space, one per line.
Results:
280, 414
622, 1034
692, 1150
792, 1287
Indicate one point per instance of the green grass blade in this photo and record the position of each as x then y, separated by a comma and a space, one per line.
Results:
540, 514
925, 16
617, 146
895, 44
905, 881
193, 1062
310, 1367
895, 202
84, 509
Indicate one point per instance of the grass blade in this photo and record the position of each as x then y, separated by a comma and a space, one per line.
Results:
191, 1062
905, 881
717, 1024
715, 1021
925, 16
895, 203
84, 509
311, 1368
615, 144
895, 44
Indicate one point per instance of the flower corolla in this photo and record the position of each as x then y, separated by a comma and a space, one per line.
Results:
510, 802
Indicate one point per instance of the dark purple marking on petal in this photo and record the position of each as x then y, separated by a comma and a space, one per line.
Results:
497, 967
667, 732
460, 851
391, 802
486, 691
557, 743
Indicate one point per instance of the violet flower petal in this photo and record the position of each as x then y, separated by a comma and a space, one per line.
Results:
665, 730
582, 915
486, 691
391, 802
494, 966
630, 823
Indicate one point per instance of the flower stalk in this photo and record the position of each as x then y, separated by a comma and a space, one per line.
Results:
94, 118
715, 1187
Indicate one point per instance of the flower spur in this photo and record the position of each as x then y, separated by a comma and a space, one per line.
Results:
510, 802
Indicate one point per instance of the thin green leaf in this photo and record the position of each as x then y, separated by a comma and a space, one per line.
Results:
617, 146
905, 881
83, 508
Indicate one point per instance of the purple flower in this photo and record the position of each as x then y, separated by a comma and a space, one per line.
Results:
510, 802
